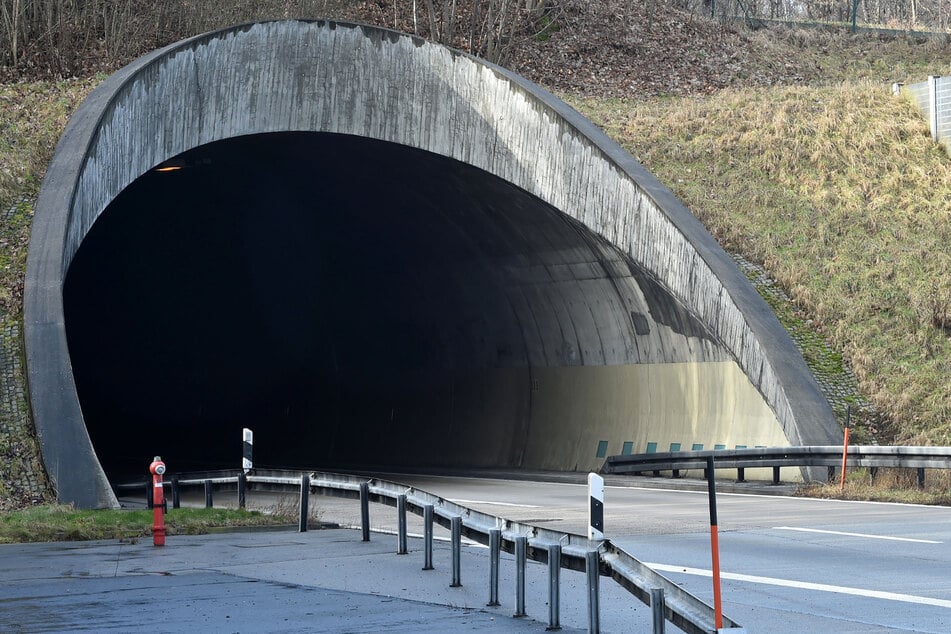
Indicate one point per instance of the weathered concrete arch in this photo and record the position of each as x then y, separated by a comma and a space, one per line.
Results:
356, 81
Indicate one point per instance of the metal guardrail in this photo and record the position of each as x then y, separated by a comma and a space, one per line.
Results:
681, 608
873, 456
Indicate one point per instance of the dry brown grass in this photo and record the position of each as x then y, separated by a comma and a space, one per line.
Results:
32, 117
888, 485
840, 192
827, 56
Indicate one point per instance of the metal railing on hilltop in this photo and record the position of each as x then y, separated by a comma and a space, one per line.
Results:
933, 98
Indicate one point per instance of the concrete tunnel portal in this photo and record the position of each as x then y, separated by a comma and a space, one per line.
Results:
352, 300
376, 252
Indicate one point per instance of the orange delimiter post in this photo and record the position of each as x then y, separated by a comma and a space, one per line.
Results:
714, 543
845, 447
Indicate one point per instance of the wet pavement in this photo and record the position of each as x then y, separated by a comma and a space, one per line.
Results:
260, 581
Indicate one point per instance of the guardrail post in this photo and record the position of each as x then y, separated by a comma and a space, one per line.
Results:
921, 478
209, 498
657, 610
304, 496
242, 489
592, 564
401, 524
495, 548
456, 529
521, 555
775, 475
428, 537
740, 474
365, 510
933, 106
872, 472
176, 497
554, 587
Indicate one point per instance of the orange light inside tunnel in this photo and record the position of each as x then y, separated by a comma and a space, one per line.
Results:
168, 168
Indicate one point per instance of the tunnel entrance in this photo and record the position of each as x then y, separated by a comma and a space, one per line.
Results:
356, 303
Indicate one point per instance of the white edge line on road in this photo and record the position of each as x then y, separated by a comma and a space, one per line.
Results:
436, 538
825, 532
499, 478
805, 585
931, 507
521, 506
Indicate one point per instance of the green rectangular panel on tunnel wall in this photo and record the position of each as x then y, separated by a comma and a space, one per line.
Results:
697, 446
602, 449
627, 448
652, 447
675, 446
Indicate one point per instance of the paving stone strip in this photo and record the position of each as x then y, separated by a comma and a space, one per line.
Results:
832, 372
23, 480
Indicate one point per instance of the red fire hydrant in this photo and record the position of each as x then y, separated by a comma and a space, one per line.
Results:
158, 501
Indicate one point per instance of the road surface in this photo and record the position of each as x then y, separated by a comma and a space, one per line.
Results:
788, 564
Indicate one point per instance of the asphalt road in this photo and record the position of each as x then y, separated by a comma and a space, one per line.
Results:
788, 564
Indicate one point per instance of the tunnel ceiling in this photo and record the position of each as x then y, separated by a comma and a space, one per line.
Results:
327, 290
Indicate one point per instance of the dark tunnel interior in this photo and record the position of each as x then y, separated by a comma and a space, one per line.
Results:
349, 300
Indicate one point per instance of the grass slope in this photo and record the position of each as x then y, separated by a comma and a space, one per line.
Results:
840, 193
64, 523
32, 117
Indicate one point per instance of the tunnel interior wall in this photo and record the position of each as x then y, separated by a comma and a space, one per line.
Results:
371, 83
360, 303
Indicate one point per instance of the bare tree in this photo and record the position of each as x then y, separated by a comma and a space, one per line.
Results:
10, 17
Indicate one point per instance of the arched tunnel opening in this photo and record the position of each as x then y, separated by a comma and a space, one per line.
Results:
357, 303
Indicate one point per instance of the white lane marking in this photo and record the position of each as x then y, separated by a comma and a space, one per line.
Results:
805, 585
465, 541
521, 506
930, 507
889, 537
501, 478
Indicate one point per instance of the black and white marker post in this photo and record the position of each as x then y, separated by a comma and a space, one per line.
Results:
595, 506
248, 443
714, 542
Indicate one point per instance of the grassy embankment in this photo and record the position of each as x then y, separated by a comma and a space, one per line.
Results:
32, 117
839, 192
64, 523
